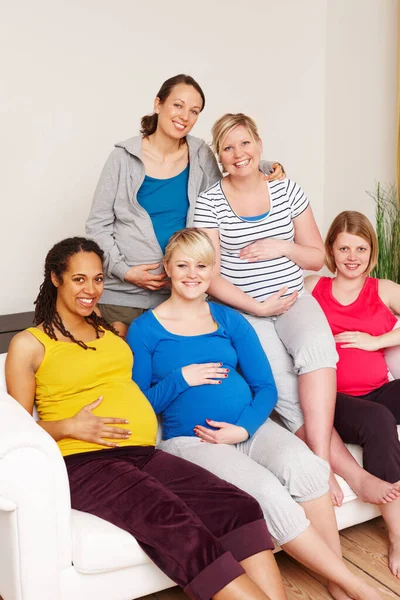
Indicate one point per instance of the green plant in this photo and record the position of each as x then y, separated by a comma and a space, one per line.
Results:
388, 232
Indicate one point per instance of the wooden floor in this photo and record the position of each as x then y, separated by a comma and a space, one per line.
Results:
365, 552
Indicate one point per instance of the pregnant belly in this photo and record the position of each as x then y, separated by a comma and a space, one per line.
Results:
219, 402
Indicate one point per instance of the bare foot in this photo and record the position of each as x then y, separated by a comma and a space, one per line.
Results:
374, 490
335, 490
394, 556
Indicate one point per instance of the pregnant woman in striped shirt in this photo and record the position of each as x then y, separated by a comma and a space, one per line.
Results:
265, 235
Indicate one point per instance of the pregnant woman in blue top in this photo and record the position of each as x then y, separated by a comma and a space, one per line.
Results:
147, 191
186, 355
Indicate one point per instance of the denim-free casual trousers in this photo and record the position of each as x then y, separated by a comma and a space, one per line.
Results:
195, 527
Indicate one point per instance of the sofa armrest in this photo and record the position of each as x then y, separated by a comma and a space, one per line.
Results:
35, 510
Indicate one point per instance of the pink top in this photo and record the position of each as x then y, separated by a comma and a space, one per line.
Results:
358, 371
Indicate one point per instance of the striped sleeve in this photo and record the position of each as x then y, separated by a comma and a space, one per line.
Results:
298, 201
205, 212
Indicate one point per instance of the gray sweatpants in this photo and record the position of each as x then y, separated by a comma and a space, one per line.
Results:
273, 466
298, 341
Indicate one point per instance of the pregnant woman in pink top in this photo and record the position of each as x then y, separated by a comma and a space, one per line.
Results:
360, 310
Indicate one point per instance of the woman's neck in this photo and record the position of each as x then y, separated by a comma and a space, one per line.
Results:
77, 325
245, 184
347, 285
185, 308
162, 145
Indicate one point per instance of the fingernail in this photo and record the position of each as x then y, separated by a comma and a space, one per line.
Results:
208, 420
117, 445
219, 381
129, 432
220, 364
126, 421
100, 398
227, 370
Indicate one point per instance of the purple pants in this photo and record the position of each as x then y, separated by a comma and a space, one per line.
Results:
194, 526
371, 421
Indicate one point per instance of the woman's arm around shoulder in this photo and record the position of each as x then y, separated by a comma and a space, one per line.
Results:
23, 360
310, 282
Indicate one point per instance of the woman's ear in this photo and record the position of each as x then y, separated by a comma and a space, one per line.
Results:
54, 279
156, 105
165, 265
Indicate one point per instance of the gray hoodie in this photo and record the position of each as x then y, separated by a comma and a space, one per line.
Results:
123, 229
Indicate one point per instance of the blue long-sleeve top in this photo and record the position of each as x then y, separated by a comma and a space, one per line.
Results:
246, 398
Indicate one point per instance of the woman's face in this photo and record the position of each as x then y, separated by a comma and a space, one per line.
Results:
179, 112
190, 277
351, 254
240, 153
82, 284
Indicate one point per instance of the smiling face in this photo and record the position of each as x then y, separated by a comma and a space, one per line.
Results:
240, 153
81, 286
351, 254
190, 276
179, 111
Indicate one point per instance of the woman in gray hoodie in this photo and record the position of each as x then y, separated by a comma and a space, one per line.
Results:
147, 191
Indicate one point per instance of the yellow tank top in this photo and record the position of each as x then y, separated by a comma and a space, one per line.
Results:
70, 377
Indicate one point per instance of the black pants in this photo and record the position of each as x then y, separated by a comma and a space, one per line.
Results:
371, 421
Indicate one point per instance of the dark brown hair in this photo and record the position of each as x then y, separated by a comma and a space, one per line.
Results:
149, 122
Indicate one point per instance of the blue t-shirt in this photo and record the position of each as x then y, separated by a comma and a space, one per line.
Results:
167, 202
245, 399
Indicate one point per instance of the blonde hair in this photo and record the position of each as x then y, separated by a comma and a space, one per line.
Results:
194, 243
354, 222
226, 123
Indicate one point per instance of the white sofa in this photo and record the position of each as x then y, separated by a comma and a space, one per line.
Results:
50, 552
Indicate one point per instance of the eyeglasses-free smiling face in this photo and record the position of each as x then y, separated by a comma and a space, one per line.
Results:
81, 286
190, 277
351, 254
240, 153
179, 112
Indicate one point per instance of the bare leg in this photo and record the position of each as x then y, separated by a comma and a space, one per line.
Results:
317, 395
121, 328
322, 516
391, 514
263, 570
367, 487
311, 550
241, 588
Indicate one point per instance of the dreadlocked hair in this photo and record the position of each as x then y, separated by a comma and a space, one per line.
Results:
57, 261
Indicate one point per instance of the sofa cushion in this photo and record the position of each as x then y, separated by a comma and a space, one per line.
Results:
98, 546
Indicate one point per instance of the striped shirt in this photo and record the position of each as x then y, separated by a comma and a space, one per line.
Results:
262, 278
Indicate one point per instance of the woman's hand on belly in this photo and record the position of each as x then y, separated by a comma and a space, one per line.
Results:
358, 339
265, 249
276, 304
205, 373
88, 427
142, 277
225, 433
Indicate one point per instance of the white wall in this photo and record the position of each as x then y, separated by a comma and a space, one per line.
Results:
78, 76
361, 91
